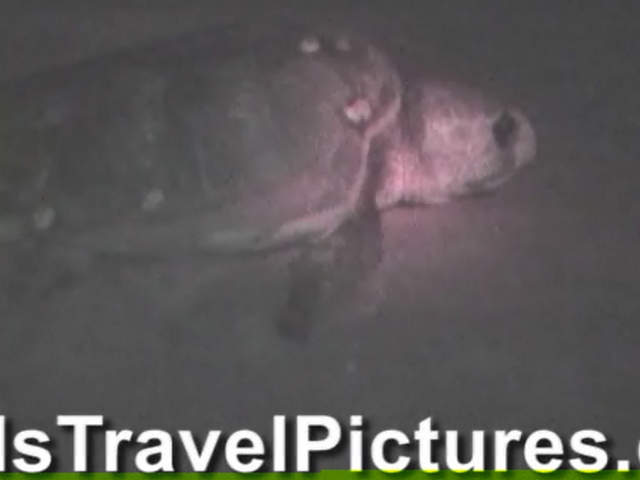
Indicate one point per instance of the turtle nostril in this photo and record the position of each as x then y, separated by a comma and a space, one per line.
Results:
504, 129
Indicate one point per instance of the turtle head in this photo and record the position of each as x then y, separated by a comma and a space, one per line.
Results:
458, 143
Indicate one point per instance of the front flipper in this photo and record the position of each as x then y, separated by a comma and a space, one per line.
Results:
324, 274
304, 230
328, 271
317, 227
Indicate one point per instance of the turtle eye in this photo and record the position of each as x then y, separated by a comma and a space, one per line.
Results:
504, 129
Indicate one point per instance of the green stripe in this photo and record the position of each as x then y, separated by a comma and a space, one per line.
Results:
328, 474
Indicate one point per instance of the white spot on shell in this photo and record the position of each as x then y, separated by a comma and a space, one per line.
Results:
309, 45
358, 111
43, 218
153, 199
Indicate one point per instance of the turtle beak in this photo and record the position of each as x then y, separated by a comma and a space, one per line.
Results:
525, 144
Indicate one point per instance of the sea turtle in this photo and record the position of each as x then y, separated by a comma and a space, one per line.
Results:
297, 144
